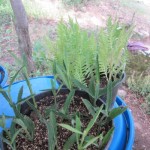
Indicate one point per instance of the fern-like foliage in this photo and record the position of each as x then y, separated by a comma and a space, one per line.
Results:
112, 43
73, 50
76, 51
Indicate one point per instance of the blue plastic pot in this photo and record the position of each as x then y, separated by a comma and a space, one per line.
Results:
123, 136
3, 76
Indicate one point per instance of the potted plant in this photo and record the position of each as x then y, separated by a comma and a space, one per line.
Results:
81, 55
58, 119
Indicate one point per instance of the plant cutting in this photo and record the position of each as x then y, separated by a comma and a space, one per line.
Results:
81, 55
59, 119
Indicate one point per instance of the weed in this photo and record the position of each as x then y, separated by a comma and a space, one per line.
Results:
40, 58
141, 85
73, 2
138, 63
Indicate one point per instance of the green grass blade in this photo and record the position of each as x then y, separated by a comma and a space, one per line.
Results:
117, 111
13, 79
68, 127
25, 75
70, 141
63, 76
7, 142
89, 106
92, 122
15, 135
91, 141
78, 127
42, 119
20, 122
109, 96
20, 94
4, 93
23, 100
82, 87
53, 122
107, 137
51, 136
2, 121
68, 101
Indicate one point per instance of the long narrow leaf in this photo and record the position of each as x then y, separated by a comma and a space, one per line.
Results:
109, 96
15, 135
82, 87
78, 127
68, 127
13, 79
70, 141
20, 94
53, 121
7, 142
51, 136
91, 141
107, 137
4, 93
89, 106
92, 122
68, 101
117, 111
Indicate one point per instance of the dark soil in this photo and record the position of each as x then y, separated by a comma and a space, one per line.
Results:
40, 141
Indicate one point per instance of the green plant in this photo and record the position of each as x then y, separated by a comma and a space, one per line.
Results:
41, 59
147, 104
111, 48
64, 111
73, 50
12, 132
73, 2
81, 136
137, 63
99, 115
24, 122
80, 55
141, 85
5, 12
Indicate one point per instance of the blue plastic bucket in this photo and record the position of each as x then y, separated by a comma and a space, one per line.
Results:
123, 136
3, 76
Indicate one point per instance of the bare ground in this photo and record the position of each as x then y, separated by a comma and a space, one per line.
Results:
141, 120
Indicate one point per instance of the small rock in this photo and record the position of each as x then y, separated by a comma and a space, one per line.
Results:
122, 93
137, 126
144, 34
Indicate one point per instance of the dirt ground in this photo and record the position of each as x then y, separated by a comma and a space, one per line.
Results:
141, 119
91, 15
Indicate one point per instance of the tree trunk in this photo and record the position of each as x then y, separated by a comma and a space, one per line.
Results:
21, 26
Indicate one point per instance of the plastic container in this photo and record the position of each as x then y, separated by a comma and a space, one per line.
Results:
123, 136
114, 91
3, 76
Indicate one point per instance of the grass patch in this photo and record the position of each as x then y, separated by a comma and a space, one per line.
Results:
137, 6
41, 58
138, 77
74, 2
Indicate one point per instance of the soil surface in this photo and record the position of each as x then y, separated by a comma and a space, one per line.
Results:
141, 119
40, 141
